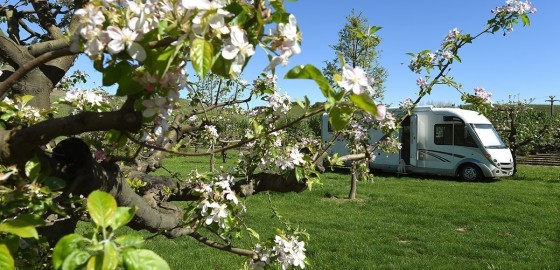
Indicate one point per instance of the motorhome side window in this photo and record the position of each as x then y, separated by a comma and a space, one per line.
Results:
453, 134
443, 134
463, 136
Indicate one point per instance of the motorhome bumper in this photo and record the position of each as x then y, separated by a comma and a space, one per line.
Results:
501, 171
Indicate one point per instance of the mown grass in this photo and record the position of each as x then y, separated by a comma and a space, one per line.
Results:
403, 223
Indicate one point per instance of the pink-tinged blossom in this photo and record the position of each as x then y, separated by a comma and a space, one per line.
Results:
482, 93
264, 255
389, 122
196, 4
296, 156
515, 7
91, 21
355, 80
421, 82
212, 131
238, 48
90, 15
289, 38
277, 60
451, 37
213, 17
156, 106
289, 252
406, 103
279, 103
217, 214
289, 33
447, 55
381, 112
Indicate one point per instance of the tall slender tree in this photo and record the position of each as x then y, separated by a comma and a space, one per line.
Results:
357, 46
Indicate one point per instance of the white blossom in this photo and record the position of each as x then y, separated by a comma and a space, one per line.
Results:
238, 48
355, 80
125, 38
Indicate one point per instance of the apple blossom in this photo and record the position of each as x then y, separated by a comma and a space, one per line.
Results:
381, 112
356, 80
482, 93
125, 38
238, 48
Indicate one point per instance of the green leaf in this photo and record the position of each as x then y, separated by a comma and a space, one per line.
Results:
102, 208
525, 19
11, 241
456, 57
26, 99
311, 72
253, 233
7, 115
130, 240
110, 258
242, 15
33, 168
95, 263
221, 67
123, 215
75, 260
374, 29
143, 259
64, 247
364, 102
22, 226
114, 73
6, 259
202, 54
340, 116
278, 5
341, 60
165, 58
300, 174
128, 86
54, 183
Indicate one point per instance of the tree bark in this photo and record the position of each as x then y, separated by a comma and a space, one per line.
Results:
72, 161
353, 181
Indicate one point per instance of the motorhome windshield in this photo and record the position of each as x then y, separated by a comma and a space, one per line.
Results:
488, 136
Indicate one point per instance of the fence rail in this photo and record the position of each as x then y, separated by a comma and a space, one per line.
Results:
548, 159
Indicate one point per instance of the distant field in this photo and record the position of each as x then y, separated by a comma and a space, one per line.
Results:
403, 223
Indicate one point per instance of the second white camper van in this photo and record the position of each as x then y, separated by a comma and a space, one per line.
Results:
440, 141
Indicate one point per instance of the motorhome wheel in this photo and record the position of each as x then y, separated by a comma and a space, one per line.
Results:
471, 172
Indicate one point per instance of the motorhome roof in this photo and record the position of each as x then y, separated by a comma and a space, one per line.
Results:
467, 116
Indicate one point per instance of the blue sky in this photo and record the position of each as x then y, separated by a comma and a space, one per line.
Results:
523, 64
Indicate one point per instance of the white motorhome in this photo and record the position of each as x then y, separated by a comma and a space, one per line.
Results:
440, 141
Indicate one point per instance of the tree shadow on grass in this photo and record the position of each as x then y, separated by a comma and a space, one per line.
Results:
415, 176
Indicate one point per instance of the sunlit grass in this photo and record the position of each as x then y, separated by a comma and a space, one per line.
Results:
403, 223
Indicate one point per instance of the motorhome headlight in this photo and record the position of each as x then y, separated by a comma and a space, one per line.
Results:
493, 160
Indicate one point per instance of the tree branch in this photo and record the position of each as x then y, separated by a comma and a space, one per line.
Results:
19, 145
28, 66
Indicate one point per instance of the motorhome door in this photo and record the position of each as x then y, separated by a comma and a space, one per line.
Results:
413, 156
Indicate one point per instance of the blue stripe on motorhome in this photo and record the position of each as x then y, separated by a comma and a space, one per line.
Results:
433, 154
438, 157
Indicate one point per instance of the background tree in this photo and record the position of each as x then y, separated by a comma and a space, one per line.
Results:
524, 129
35, 28
357, 47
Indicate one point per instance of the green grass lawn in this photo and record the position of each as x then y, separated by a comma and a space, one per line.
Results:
404, 223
